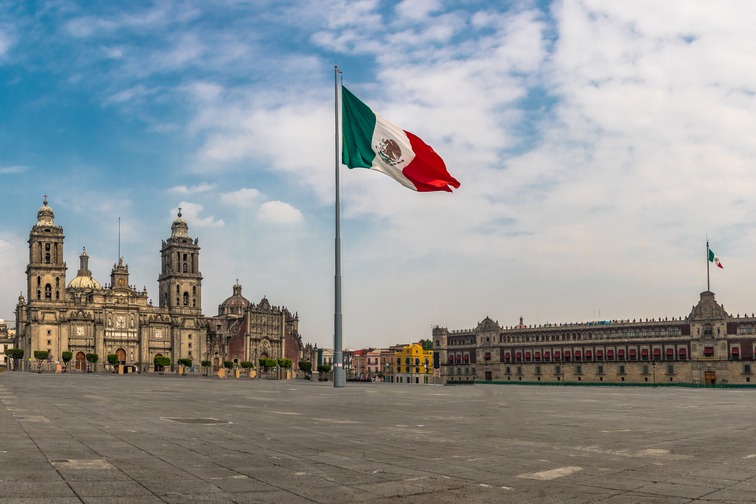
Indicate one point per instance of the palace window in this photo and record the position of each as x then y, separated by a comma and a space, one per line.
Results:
682, 354
670, 369
621, 369
746, 369
670, 353
735, 352
708, 351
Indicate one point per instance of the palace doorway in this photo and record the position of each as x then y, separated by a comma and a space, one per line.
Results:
710, 377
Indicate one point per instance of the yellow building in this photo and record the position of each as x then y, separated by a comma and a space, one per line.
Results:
412, 364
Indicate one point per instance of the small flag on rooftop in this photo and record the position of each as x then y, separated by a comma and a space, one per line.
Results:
714, 259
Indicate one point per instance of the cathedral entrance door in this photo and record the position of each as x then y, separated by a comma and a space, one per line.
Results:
121, 353
710, 377
489, 376
216, 365
81, 361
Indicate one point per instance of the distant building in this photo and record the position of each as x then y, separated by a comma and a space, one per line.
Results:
413, 365
6, 342
709, 346
244, 331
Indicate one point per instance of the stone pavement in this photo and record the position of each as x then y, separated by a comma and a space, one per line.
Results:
103, 438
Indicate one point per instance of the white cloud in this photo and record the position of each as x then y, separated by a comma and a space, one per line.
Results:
195, 189
191, 214
8, 170
7, 40
278, 212
244, 197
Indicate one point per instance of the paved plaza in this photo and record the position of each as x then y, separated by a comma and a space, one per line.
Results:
104, 438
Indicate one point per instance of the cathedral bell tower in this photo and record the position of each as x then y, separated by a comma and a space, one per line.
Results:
181, 292
46, 271
180, 279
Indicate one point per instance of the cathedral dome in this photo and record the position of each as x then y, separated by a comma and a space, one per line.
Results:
84, 282
84, 278
45, 215
235, 304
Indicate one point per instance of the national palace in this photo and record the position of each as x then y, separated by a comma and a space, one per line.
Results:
84, 317
709, 346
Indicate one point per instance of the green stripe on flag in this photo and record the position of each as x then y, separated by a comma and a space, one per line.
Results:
357, 126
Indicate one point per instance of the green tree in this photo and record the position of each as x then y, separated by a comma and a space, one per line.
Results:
285, 363
427, 344
112, 360
66, 357
228, 364
92, 358
206, 364
15, 354
324, 368
186, 362
246, 365
305, 366
161, 363
40, 355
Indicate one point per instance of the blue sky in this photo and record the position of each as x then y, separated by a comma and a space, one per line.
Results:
597, 143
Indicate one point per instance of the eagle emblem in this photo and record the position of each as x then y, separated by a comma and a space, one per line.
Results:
389, 151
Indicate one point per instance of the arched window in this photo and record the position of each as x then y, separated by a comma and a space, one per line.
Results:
185, 268
48, 291
39, 281
47, 258
186, 299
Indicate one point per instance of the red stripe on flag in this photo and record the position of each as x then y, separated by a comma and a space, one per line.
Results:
428, 171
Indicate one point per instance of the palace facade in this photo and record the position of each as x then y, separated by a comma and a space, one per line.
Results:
709, 346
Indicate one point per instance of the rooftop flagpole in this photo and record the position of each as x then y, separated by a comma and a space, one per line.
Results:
708, 285
339, 380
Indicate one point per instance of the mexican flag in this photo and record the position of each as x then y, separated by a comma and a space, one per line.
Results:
713, 258
370, 141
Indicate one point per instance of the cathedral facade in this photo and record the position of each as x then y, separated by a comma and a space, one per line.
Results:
82, 316
708, 347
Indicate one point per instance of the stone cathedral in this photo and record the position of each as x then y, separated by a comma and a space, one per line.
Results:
83, 316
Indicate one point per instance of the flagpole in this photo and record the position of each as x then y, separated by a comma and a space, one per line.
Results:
708, 285
339, 379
